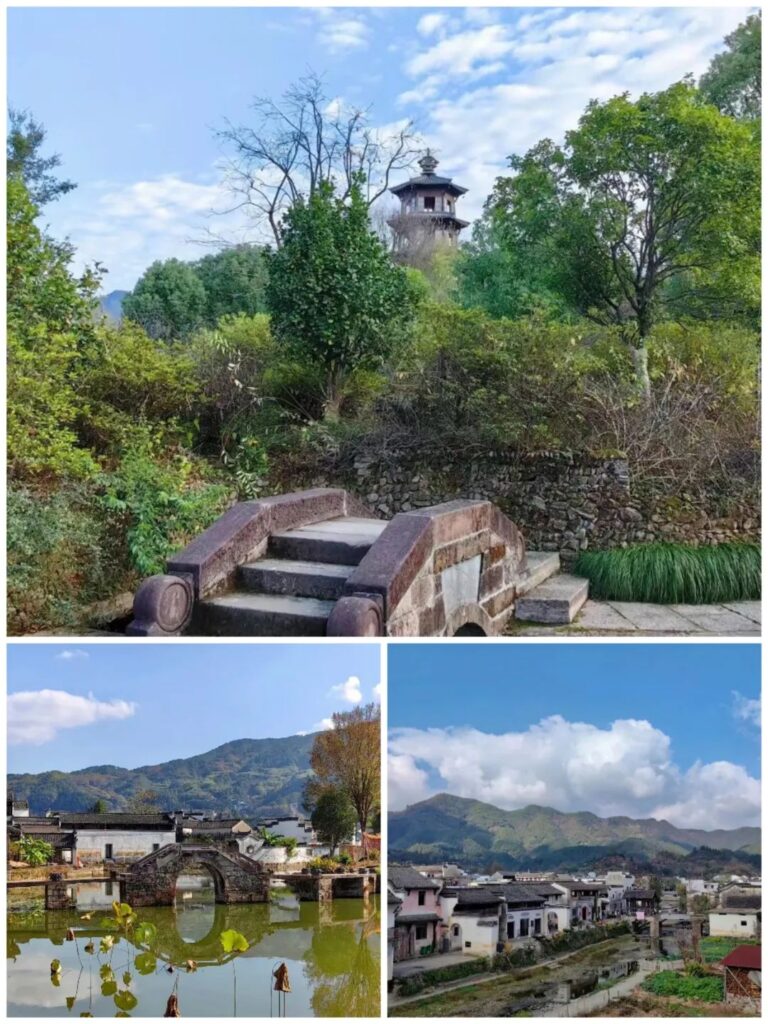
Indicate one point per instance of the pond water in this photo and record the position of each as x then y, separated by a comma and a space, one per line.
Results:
332, 953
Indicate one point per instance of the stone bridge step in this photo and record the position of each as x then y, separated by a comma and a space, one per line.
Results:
244, 614
341, 541
322, 580
556, 602
541, 565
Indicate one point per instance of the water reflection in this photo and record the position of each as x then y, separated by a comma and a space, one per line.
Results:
332, 953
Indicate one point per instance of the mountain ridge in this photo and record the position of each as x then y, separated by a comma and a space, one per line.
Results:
258, 777
535, 837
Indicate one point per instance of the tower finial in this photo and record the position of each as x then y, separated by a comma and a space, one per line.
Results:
428, 163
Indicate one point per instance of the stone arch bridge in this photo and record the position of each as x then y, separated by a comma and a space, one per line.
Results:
317, 562
151, 881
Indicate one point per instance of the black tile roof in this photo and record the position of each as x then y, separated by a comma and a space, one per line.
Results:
484, 897
402, 877
514, 892
736, 902
117, 819
429, 181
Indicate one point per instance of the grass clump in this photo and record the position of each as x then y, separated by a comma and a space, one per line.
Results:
708, 989
673, 573
715, 947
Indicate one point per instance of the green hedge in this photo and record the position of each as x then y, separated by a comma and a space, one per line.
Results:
708, 989
673, 573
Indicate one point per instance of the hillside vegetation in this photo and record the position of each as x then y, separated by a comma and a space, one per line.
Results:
260, 777
476, 835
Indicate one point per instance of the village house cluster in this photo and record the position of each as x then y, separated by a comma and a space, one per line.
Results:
81, 838
434, 909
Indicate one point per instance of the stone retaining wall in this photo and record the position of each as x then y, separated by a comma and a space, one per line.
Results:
562, 501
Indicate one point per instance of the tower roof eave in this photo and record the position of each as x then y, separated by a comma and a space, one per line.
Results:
428, 181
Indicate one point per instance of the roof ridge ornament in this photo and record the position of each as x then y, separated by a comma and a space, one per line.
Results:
428, 163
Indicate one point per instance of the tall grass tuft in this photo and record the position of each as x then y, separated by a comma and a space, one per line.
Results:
673, 573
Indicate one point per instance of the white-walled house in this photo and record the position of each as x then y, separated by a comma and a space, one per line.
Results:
119, 837
739, 924
474, 920
739, 914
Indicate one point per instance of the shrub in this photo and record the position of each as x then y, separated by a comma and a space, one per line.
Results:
35, 852
708, 989
673, 573
589, 936
60, 558
157, 500
131, 377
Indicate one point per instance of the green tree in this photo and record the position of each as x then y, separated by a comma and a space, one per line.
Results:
235, 282
335, 297
50, 325
700, 904
99, 807
732, 82
644, 195
169, 301
682, 897
656, 887
26, 163
35, 852
334, 817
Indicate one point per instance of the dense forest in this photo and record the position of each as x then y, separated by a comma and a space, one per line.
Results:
608, 301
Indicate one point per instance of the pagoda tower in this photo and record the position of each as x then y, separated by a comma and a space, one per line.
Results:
427, 208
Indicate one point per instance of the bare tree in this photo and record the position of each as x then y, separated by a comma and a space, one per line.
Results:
305, 140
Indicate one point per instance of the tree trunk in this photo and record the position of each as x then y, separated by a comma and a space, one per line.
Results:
640, 362
332, 404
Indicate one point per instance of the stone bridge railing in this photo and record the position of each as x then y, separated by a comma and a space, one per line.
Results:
438, 571
164, 604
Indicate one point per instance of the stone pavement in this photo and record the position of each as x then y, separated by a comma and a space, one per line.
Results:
433, 962
624, 618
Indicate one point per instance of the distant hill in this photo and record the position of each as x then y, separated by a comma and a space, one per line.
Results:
477, 834
112, 305
258, 777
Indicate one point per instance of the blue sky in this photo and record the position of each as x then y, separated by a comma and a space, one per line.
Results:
131, 97
126, 704
667, 730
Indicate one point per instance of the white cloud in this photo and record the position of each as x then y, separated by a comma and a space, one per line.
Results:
36, 716
715, 795
541, 70
626, 768
745, 709
342, 29
406, 782
322, 725
74, 655
377, 690
127, 226
428, 24
349, 690
460, 54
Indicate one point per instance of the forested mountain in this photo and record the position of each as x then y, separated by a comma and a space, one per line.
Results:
111, 305
476, 834
254, 777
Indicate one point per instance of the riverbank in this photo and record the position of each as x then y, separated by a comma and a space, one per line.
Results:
490, 995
